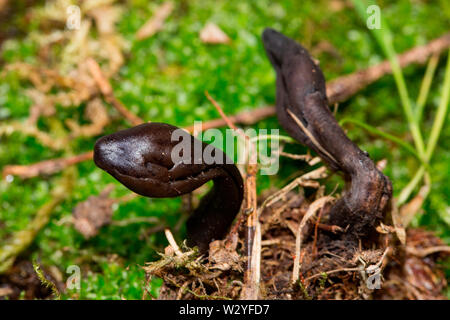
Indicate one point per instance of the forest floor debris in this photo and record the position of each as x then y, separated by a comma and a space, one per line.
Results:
328, 270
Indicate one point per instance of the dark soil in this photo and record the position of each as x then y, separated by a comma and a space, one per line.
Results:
22, 282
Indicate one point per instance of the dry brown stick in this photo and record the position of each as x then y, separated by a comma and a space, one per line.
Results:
251, 279
338, 89
45, 167
316, 229
343, 87
172, 242
250, 289
316, 205
327, 273
225, 118
423, 252
155, 23
247, 118
330, 228
108, 94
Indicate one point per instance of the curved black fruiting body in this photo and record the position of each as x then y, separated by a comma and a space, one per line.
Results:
141, 159
302, 110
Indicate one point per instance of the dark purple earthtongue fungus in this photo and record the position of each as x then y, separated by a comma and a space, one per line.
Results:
159, 160
302, 110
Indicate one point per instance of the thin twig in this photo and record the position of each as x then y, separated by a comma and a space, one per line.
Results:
270, 242
304, 157
155, 23
108, 94
344, 87
126, 222
250, 290
316, 205
246, 118
227, 120
338, 89
46, 167
308, 177
427, 251
332, 271
316, 227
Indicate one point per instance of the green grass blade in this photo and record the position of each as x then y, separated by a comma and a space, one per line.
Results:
382, 134
425, 87
441, 114
438, 123
384, 39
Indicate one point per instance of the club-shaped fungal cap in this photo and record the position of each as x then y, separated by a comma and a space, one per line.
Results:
159, 160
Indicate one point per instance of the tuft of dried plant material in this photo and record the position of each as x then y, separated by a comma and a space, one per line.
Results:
330, 269
62, 77
223, 255
46, 139
110, 41
90, 215
212, 34
415, 272
96, 113
189, 276
414, 206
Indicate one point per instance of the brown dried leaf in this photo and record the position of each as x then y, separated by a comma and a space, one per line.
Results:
410, 209
398, 223
90, 215
212, 34
337, 5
